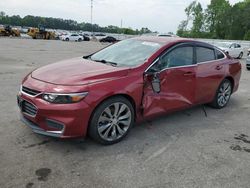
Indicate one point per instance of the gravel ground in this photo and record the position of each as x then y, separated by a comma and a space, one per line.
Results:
183, 149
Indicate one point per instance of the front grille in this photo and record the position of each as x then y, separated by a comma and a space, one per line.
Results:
28, 108
29, 91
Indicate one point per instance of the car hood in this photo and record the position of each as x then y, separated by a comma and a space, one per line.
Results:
77, 71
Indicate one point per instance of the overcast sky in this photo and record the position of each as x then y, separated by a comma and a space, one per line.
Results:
157, 15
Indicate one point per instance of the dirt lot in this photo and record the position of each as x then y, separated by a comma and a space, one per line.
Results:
184, 149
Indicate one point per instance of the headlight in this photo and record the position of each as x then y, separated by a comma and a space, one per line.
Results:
64, 98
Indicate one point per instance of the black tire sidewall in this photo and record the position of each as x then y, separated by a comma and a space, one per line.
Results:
93, 127
241, 55
215, 101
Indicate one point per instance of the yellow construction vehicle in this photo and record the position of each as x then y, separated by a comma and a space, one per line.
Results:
8, 31
41, 33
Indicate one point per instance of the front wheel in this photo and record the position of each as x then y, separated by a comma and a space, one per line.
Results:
111, 121
223, 94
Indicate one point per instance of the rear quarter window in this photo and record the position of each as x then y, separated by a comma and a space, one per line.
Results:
204, 54
219, 54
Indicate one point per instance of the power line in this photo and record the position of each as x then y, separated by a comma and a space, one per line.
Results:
92, 17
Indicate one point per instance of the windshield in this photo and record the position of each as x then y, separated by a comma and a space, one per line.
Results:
127, 53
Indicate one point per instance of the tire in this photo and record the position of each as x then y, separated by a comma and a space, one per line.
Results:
222, 95
67, 39
105, 126
241, 55
79, 40
248, 68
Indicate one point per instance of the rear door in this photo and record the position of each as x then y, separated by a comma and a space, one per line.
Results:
210, 72
176, 70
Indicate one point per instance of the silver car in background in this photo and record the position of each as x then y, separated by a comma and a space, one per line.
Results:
233, 49
248, 62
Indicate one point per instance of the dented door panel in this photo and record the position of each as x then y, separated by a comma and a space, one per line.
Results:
177, 91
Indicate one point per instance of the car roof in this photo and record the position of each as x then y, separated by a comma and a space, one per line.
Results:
168, 40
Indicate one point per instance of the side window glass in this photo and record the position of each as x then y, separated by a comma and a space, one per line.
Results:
204, 54
219, 54
181, 56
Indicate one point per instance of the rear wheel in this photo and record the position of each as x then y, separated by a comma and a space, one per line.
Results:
223, 94
79, 40
111, 121
67, 39
248, 68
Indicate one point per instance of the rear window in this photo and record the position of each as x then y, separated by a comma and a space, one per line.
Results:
204, 54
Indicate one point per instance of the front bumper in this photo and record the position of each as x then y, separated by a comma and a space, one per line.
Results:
56, 120
35, 128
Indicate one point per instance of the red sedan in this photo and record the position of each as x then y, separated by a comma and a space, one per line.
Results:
103, 94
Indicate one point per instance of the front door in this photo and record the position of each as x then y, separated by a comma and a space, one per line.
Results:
176, 72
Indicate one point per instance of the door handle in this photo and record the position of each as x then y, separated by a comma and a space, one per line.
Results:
188, 74
219, 67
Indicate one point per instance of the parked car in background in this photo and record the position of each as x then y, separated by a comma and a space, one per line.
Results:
85, 37
104, 93
108, 39
248, 52
166, 35
72, 37
248, 62
233, 49
99, 36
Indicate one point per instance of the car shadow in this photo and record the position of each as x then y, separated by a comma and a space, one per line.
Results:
148, 134
164, 129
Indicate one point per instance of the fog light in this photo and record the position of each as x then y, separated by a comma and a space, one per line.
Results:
54, 124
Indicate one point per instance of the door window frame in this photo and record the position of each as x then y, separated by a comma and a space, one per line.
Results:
169, 50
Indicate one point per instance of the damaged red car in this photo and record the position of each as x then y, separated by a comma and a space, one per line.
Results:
102, 95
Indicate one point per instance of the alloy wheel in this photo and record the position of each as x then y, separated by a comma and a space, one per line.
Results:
224, 94
114, 121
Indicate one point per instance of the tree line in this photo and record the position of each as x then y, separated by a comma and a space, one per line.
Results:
64, 24
220, 20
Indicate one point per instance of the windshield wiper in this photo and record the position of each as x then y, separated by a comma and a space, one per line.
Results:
106, 62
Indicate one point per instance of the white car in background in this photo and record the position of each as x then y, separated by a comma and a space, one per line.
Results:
248, 62
166, 35
99, 36
72, 37
233, 49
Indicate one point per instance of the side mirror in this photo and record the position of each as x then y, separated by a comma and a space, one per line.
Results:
156, 83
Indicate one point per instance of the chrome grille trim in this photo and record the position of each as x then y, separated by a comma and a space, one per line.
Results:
30, 92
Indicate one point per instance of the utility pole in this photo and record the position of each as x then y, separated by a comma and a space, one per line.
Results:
121, 23
92, 18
